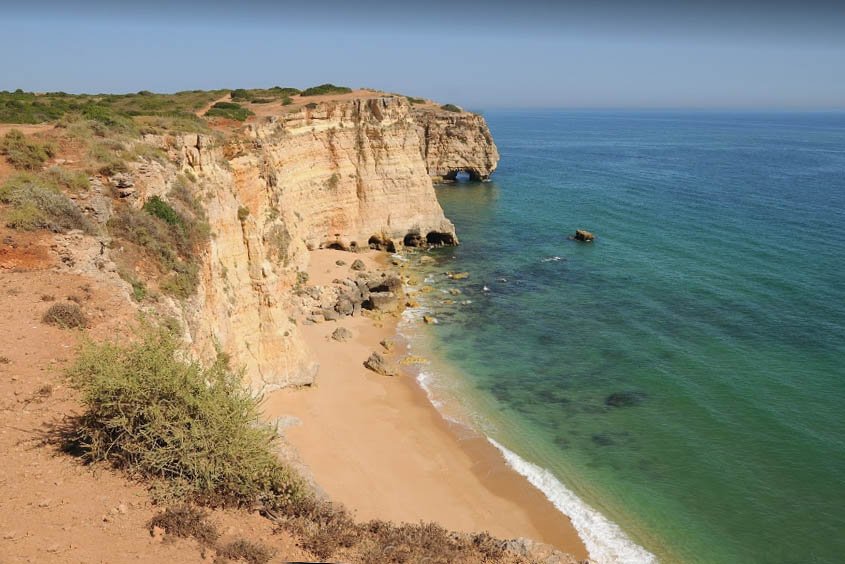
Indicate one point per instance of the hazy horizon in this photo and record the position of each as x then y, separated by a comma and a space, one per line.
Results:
769, 56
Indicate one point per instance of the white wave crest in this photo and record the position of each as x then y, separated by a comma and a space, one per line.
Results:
605, 541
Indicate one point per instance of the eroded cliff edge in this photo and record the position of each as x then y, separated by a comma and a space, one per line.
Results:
348, 174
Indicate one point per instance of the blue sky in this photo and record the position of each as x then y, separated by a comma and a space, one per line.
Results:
535, 53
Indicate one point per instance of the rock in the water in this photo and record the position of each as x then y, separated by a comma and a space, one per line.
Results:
431, 320
378, 364
457, 275
581, 235
425, 259
341, 334
358, 264
624, 399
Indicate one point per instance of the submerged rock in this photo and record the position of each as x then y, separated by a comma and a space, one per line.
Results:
624, 399
378, 364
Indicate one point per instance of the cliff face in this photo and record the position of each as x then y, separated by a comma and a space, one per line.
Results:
456, 142
343, 174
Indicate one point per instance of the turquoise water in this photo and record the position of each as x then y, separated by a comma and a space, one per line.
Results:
712, 304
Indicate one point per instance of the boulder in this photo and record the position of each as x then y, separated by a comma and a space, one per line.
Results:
425, 259
123, 185
378, 364
458, 275
382, 301
340, 262
330, 315
359, 265
345, 305
341, 334
582, 235
431, 320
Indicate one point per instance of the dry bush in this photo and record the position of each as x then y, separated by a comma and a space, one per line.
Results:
65, 315
157, 415
37, 203
23, 153
186, 521
245, 551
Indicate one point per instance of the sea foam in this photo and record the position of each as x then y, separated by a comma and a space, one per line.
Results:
605, 541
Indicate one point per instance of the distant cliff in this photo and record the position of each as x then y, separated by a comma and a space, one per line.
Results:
346, 174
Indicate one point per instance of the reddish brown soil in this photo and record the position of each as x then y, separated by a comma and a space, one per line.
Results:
53, 508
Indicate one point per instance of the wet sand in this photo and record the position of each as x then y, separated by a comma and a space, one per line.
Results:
376, 444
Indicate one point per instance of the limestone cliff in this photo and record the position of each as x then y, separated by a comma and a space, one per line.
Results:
347, 174
455, 142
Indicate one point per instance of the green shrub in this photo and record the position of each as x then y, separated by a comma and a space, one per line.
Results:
287, 101
229, 110
159, 208
413, 100
155, 414
240, 94
65, 315
37, 203
325, 89
451, 108
23, 153
172, 232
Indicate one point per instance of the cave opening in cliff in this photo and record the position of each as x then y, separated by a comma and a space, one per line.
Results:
462, 175
381, 244
438, 239
413, 240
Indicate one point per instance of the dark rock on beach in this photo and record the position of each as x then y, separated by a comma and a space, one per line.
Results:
341, 334
378, 364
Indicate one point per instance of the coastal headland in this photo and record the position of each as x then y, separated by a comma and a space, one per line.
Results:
243, 221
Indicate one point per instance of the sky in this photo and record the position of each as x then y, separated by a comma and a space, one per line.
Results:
776, 54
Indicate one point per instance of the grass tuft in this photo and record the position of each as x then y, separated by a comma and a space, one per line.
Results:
186, 521
246, 551
22, 153
36, 202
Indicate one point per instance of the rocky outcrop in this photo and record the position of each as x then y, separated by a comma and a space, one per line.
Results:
582, 235
456, 142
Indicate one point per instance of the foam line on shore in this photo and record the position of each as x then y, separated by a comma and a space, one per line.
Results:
605, 541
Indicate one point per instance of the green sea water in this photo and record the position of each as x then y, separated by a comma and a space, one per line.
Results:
683, 375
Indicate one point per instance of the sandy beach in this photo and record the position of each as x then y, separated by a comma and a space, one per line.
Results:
376, 444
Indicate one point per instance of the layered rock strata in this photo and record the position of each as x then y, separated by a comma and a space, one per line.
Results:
345, 174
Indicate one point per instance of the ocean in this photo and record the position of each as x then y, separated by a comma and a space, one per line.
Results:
678, 385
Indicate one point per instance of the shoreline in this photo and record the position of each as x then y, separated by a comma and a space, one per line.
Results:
378, 445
